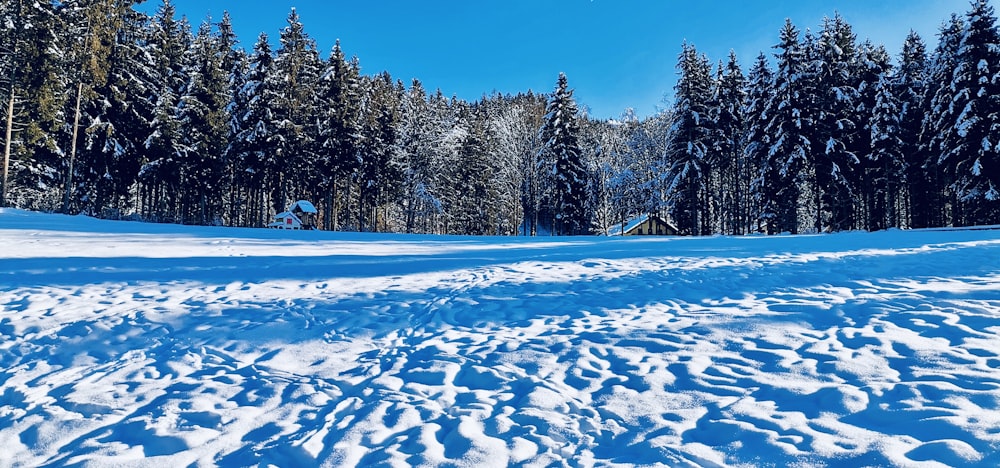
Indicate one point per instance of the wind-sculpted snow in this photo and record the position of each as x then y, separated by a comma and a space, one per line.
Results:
151, 345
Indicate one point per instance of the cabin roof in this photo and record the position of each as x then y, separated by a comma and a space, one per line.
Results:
634, 223
618, 230
304, 206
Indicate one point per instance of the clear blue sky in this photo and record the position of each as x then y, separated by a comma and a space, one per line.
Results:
616, 53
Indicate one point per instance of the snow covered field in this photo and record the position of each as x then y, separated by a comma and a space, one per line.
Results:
160, 345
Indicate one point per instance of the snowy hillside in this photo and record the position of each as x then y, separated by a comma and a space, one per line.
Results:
160, 345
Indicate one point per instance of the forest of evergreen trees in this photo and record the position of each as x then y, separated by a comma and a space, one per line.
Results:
118, 114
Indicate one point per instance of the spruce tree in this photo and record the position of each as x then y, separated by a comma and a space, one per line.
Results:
938, 128
414, 144
117, 139
837, 125
788, 122
290, 88
376, 175
886, 178
973, 151
692, 143
253, 144
475, 213
161, 172
236, 62
909, 87
872, 70
730, 122
115, 116
561, 152
93, 28
339, 100
760, 85
203, 115
32, 98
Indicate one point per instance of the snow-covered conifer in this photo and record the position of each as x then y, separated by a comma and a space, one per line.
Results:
938, 126
838, 122
887, 171
909, 87
973, 152
339, 97
787, 127
760, 85
692, 144
733, 184
561, 153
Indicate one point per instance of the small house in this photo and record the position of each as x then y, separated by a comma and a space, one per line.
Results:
286, 220
646, 225
300, 215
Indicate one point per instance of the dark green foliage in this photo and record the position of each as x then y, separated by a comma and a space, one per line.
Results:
693, 148
973, 150
909, 87
838, 125
116, 113
788, 121
561, 156
731, 186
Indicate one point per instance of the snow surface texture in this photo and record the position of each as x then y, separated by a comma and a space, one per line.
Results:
159, 345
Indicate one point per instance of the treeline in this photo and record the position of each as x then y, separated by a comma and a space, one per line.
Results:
118, 114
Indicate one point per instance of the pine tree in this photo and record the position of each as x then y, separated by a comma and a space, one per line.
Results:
414, 144
873, 68
237, 63
692, 143
760, 85
377, 176
252, 145
32, 101
293, 165
127, 93
730, 122
93, 29
475, 213
887, 164
837, 126
161, 173
973, 152
782, 172
938, 128
561, 152
909, 87
232, 55
203, 116
339, 105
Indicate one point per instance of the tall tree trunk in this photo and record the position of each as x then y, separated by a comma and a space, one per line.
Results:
6, 148
328, 208
67, 192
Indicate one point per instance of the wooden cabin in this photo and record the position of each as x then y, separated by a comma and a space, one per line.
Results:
286, 220
300, 215
647, 225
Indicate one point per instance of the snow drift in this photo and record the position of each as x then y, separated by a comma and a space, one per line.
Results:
157, 345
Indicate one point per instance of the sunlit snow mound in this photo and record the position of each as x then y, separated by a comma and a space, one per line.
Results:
138, 344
